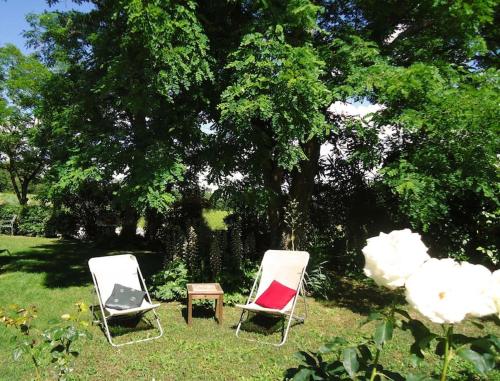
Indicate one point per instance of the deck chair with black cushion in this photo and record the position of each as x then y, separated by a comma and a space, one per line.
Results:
278, 285
121, 291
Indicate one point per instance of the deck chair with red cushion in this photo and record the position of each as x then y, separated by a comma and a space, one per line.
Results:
277, 287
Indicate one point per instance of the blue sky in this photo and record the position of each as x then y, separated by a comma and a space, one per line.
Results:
13, 13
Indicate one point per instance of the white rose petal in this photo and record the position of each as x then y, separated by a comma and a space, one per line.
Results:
445, 291
496, 290
479, 288
436, 291
391, 258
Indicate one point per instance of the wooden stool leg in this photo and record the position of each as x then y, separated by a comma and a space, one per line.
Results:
190, 309
217, 308
220, 305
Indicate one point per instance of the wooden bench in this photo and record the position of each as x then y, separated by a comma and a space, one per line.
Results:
8, 224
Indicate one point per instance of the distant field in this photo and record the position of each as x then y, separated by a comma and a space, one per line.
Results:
215, 218
11, 199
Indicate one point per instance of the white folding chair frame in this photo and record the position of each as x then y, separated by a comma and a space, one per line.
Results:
135, 312
290, 313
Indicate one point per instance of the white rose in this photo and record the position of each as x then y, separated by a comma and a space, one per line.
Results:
445, 291
391, 258
436, 291
496, 290
479, 288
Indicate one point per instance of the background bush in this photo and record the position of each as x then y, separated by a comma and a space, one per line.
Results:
33, 221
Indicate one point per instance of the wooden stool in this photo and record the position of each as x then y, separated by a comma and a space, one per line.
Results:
211, 291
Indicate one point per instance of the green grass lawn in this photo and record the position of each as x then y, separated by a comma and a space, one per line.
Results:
53, 275
215, 218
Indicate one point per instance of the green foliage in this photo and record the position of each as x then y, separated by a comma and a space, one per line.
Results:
23, 137
278, 84
7, 211
318, 282
131, 83
174, 40
118, 112
449, 197
55, 346
62, 222
33, 220
341, 359
171, 282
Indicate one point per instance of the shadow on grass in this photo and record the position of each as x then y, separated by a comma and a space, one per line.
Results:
265, 324
200, 310
361, 297
65, 262
134, 326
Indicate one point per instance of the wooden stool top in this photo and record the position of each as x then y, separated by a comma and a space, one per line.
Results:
205, 288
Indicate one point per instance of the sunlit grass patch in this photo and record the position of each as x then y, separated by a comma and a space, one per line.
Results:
214, 218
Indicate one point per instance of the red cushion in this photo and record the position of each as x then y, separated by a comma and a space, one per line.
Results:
276, 296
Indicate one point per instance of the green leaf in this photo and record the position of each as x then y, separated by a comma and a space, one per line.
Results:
350, 361
383, 333
482, 363
372, 317
306, 358
335, 343
303, 374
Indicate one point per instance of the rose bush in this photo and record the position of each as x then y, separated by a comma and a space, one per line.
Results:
391, 258
443, 290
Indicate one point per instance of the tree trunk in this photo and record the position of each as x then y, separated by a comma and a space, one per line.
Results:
129, 223
153, 224
13, 180
24, 192
302, 180
273, 177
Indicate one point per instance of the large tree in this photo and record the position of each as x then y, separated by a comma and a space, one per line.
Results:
23, 136
269, 126
125, 101
137, 78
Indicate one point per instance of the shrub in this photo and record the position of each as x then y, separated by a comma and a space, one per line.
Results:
170, 283
33, 220
52, 351
7, 211
62, 222
317, 281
